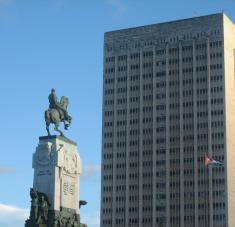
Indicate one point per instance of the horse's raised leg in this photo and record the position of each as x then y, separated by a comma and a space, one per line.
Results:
57, 129
66, 125
47, 127
48, 121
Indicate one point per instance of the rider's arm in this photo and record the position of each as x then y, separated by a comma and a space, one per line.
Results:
54, 99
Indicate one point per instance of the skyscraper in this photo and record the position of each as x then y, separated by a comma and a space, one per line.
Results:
168, 100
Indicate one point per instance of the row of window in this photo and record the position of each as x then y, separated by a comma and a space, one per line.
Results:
173, 61
214, 89
162, 84
162, 221
174, 161
162, 40
172, 117
162, 141
162, 151
214, 101
214, 44
163, 196
203, 80
162, 175
171, 72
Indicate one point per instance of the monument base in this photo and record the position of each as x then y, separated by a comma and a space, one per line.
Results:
63, 218
30, 224
55, 193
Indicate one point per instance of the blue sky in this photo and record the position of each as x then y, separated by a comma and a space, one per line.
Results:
59, 43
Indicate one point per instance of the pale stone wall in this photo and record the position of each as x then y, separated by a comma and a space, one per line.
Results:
57, 169
229, 74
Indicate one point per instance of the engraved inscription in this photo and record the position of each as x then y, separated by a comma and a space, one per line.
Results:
68, 188
43, 172
72, 189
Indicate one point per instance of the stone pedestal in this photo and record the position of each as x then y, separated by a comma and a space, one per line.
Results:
57, 169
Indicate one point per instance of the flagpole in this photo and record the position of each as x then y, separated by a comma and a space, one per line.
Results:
205, 194
208, 197
207, 190
209, 162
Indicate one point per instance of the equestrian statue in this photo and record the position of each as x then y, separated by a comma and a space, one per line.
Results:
57, 113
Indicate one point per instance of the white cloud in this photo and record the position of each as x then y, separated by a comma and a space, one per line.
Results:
92, 220
7, 170
12, 216
91, 170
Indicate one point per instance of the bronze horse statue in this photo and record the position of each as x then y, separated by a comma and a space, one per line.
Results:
55, 115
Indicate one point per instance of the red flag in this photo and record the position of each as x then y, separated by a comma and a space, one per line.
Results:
211, 161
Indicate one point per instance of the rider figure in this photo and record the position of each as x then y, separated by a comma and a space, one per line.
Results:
54, 104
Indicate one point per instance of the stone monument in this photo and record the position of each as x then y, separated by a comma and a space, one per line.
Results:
57, 168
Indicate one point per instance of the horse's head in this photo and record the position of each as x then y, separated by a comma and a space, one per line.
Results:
69, 120
64, 101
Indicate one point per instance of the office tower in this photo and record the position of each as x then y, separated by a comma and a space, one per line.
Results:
168, 100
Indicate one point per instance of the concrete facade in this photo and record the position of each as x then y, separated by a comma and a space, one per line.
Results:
168, 99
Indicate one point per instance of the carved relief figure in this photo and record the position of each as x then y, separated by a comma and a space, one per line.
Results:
34, 205
43, 209
70, 163
39, 207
